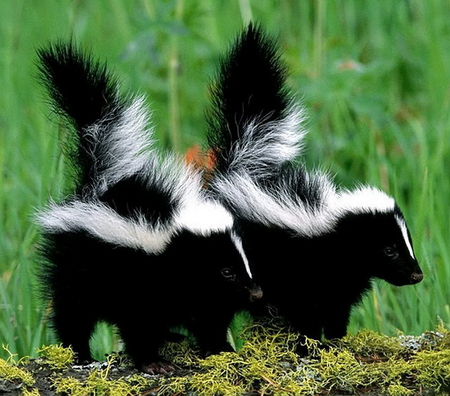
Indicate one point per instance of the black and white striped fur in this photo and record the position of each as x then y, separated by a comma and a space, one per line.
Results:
314, 247
138, 244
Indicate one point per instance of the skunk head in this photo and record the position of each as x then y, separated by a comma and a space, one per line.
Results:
370, 225
207, 232
217, 267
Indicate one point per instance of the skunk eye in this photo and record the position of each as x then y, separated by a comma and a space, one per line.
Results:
228, 273
391, 251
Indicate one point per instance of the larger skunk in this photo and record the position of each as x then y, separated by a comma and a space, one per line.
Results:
314, 248
138, 244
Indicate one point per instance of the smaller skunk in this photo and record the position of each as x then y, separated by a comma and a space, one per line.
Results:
314, 248
138, 244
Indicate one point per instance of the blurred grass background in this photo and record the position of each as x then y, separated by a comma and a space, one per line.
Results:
374, 76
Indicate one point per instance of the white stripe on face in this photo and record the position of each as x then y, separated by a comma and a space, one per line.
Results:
238, 243
402, 225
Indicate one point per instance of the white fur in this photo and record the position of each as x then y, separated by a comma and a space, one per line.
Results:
282, 210
362, 200
265, 144
238, 243
101, 221
194, 212
123, 148
104, 223
285, 209
204, 218
404, 230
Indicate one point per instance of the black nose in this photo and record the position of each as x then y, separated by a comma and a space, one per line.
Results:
255, 294
416, 277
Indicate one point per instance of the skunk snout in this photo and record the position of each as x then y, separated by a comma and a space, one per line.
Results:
416, 277
255, 293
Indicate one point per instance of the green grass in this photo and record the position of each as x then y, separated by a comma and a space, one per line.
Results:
373, 77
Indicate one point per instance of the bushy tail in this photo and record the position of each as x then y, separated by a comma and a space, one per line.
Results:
127, 192
254, 125
255, 134
110, 131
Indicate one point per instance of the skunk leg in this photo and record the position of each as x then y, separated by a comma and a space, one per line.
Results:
142, 343
74, 330
336, 322
211, 335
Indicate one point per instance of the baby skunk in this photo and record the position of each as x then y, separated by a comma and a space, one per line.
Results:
138, 244
314, 248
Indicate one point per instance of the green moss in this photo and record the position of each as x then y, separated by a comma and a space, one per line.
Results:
369, 343
31, 392
398, 390
267, 364
98, 382
261, 363
181, 353
341, 369
433, 369
56, 356
11, 372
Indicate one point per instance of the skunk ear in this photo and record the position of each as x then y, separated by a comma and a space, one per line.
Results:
253, 125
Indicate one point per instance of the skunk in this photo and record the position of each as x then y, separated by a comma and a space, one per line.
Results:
138, 244
314, 248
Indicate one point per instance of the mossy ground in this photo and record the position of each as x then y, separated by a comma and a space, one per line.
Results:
363, 364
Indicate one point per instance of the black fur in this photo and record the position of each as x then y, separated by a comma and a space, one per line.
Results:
313, 283
144, 295
135, 244
314, 248
83, 99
